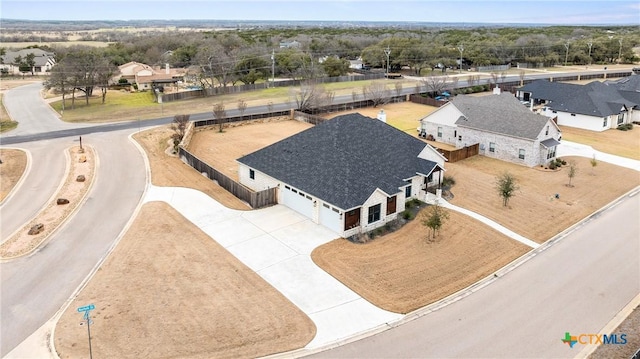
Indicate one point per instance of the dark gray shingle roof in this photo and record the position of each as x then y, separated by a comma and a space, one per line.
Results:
343, 160
502, 114
593, 99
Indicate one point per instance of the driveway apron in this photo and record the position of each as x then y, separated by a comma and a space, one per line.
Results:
276, 243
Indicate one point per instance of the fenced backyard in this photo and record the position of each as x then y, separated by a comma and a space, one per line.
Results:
460, 154
256, 200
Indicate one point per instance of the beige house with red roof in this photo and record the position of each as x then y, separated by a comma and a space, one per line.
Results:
146, 77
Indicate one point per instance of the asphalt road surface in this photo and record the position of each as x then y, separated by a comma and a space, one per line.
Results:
575, 286
33, 288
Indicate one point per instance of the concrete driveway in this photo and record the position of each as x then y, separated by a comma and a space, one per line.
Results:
276, 242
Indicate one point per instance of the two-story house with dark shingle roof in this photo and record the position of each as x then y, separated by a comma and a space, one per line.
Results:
351, 173
503, 128
596, 106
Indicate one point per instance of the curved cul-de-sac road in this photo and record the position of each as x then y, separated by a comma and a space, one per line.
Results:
33, 288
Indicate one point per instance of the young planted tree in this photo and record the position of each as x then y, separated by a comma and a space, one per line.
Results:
593, 163
573, 170
435, 219
242, 106
378, 93
507, 185
179, 127
220, 114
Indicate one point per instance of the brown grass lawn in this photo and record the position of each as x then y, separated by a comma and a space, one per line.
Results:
170, 171
404, 116
14, 163
533, 212
615, 142
169, 291
404, 270
221, 150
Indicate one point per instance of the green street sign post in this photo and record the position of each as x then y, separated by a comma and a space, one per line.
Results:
86, 309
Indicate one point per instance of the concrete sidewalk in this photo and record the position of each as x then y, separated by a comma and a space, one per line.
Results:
276, 242
567, 148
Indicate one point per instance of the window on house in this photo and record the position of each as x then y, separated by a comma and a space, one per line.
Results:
460, 138
439, 131
252, 174
554, 111
573, 114
546, 133
620, 118
430, 178
407, 192
604, 123
551, 152
455, 133
521, 154
492, 147
374, 213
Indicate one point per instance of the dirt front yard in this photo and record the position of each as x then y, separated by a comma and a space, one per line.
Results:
404, 270
221, 149
615, 142
404, 116
534, 212
14, 163
170, 171
169, 291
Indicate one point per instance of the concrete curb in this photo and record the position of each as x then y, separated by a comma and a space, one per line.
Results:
20, 182
54, 321
611, 326
83, 199
466, 291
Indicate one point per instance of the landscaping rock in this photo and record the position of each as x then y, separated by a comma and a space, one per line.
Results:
36, 229
62, 201
83, 159
81, 178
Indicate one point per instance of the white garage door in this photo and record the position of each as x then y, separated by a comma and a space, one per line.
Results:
330, 218
298, 201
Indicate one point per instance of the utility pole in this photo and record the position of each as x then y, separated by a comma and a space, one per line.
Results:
566, 55
461, 49
387, 51
590, 44
273, 66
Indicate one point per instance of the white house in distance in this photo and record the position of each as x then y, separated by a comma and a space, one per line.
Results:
596, 106
500, 124
43, 61
351, 174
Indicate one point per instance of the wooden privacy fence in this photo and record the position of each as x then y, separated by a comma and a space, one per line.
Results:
460, 154
426, 101
255, 116
259, 199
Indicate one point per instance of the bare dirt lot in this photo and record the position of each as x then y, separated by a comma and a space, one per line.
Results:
404, 116
221, 150
534, 212
615, 142
14, 163
169, 291
404, 270
170, 171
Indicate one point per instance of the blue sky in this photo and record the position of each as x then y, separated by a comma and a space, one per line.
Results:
568, 12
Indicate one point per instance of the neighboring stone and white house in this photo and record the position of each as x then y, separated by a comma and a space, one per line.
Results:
351, 174
596, 106
43, 61
500, 124
146, 77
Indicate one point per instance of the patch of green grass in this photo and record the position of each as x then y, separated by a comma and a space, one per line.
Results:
7, 125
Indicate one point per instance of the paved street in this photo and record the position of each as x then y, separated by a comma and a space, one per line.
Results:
32, 289
577, 285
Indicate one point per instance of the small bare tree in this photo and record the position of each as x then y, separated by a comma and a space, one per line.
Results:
242, 106
573, 170
435, 84
270, 106
507, 185
179, 126
398, 88
472, 80
435, 219
521, 75
454, 82
310, 95
494, 78
378, 93
220, 114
